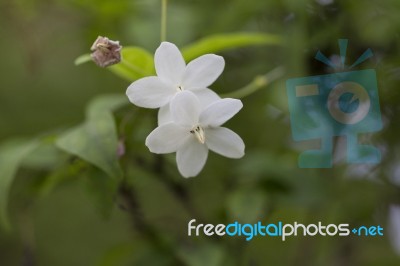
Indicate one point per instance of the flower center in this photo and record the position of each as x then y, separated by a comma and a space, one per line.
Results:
198, 132
179, 88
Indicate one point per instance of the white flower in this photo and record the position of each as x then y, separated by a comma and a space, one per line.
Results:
194, 130
190, 115
174, 76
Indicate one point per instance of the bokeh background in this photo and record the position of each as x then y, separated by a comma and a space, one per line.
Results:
70, 213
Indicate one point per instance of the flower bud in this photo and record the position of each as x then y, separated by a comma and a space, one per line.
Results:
106, 52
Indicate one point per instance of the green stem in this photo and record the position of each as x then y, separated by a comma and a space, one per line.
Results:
256, 84
164, 20
130, 203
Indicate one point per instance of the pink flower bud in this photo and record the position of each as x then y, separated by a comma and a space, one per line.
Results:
106, 52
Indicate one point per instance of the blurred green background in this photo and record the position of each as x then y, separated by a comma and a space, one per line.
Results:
70, 213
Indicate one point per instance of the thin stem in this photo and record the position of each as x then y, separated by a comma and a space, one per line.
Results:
28, 236
164, 20
143, 227
256, 84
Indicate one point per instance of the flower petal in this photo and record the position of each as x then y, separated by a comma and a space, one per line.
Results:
167, 138
169, 63
191, 157
150, 92
224, 142
219, 112
164, 115
203, 71
206, 97
185, 109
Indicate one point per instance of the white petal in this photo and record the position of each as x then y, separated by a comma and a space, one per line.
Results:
164, 115
150, 92
394, 227
191, 157
169, 63
206, 97
219, 112
167, 138
203, 71
224, 142
185, 109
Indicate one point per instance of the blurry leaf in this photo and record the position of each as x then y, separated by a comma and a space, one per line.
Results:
259, 164
209, 254
11, 155
83, 59
246, 205
220, 42
45, 157
136, 63
103, 9
275, 184
62, 173
118, 255
105, 103
96, 140
101, 190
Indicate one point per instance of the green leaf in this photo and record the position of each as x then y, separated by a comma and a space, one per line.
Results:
101, 190
12, 154
220, 42
61, 174
83, 59
105, 103
96, 140
119, 254
45, 157
246, 204
207, 254
136, 63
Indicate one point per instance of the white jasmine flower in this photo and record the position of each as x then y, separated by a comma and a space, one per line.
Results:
174, 76
193, 131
